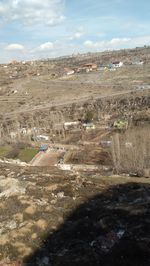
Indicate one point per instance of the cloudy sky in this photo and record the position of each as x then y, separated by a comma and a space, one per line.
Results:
32, 29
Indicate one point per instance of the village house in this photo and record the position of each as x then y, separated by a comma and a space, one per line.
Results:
28, 131
72, 125
90, 66
117, 64
13, 135
42, 137
87, 68
68, 71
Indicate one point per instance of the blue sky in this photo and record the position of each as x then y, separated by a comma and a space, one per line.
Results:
32, 29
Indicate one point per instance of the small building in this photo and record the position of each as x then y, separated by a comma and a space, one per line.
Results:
71, 125
90, 66
27, 131
42, 137
87, 68
117, 64
105, 143
88, 126
69, 71
13, 135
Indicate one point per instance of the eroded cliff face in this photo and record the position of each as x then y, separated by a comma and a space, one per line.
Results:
52, 120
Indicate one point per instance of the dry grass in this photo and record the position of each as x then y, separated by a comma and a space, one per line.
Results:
131, 150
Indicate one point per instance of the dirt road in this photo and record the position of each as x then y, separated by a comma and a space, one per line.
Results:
69, 102
48, 158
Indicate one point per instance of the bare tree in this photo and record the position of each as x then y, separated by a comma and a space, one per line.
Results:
131, 150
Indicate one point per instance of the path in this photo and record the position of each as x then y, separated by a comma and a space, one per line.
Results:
62, 104
48, 158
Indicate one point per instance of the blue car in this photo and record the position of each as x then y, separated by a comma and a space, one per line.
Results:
43, 147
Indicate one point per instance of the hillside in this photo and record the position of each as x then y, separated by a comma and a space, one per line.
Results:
75, 160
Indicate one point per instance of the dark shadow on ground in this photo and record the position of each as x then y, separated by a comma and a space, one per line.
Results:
110, 229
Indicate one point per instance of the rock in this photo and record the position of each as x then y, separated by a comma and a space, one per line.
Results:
60, 220
49, 208
3, 240
18, 217
42, 224
34, 236
52, 187
25, 251
10, 187
30, 210
15, 162
53, 201
24, 230
5, 226
60, 195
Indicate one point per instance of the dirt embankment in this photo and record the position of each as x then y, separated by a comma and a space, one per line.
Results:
54, 118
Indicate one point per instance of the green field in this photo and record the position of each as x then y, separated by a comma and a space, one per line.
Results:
27, 154
24, 154
4, 151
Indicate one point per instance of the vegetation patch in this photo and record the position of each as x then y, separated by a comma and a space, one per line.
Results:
19, 151
4, 150
27, 154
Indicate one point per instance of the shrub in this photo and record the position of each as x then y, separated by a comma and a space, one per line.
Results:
89, 116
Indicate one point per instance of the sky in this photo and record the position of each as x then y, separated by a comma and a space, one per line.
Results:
34, 29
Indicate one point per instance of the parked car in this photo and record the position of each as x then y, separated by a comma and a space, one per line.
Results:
43, 147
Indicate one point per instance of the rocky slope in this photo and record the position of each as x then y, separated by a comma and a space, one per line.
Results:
54, 217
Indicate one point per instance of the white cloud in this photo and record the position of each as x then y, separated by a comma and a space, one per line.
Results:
46, 46
140, 41
113, 43
58, 48
14, 47
49, 12
117, 43
90, 44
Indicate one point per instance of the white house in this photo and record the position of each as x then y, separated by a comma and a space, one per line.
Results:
42, 137
13, 135
68, 125
117, 64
